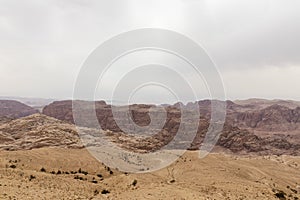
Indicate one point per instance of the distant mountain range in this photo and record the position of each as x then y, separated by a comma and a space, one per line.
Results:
37, 103
252, 126
15, 109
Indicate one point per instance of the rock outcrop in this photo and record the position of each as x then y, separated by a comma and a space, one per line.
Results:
37, 131
274, 118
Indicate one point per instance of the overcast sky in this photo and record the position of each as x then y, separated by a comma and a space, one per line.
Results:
254, 43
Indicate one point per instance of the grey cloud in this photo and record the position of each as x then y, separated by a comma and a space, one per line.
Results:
44, 43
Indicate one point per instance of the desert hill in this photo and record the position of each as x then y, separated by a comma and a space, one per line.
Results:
36, 103
263, 103
15, 109
36, 131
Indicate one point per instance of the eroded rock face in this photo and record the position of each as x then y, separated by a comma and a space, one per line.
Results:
239, 134
61, 110
37, 131
15, 109
273, 118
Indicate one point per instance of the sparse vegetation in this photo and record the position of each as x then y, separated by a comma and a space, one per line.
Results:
96, 192
80, 171
43, 169
99, 175
94, 181
294, 191
134, 182
280, 195
109, 170
13, 166
31, 177
120, 186
80, 178
172, 181
105, 191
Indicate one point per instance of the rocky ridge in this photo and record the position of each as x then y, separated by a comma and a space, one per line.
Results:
239, 134
15, 109
36, 131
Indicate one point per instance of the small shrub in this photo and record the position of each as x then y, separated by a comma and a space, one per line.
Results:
80, 178
13, 166
58, 172
80, 171
31, 177
280, 195
100, 175
85, 173
43, 169
96, 192
105, 191
134, 182
293, 190
94, 181
172, 181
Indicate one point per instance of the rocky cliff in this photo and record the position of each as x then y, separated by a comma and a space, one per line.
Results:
240, 134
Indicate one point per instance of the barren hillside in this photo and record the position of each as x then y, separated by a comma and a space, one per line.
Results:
218, 176
15, 109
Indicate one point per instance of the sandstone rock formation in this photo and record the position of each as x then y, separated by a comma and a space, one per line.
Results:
272, 118
240, 134
37, 131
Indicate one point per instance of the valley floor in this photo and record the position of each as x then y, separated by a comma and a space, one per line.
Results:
57, 173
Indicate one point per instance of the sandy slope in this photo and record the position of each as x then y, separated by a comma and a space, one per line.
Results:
217, 176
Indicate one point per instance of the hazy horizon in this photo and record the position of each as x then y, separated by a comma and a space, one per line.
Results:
116, 102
